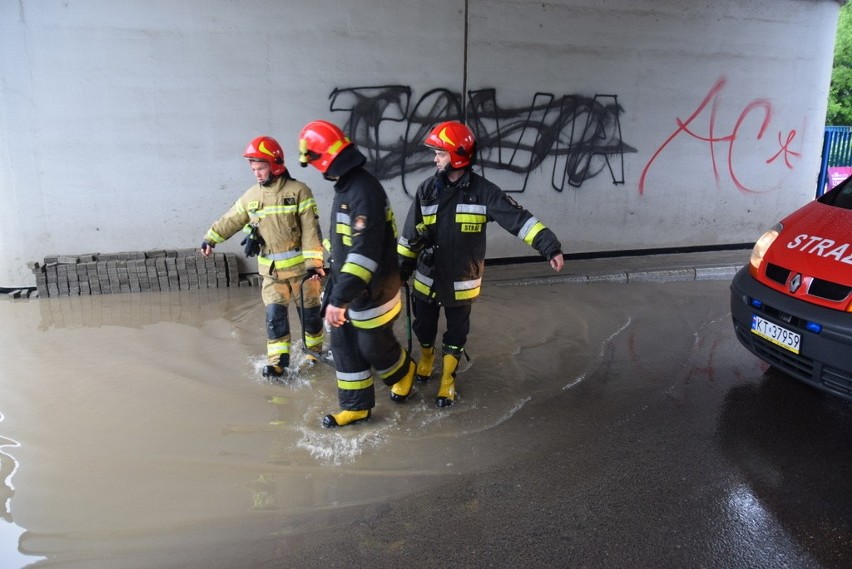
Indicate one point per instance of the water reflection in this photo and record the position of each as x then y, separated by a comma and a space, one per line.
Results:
10, 532
8, 466
746, 510
191, 308
778, 431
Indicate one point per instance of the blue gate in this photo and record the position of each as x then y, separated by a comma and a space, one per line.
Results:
836, 151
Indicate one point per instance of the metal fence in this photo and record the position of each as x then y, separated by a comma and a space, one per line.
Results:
836, 151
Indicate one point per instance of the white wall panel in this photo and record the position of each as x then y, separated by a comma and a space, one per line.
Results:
122, 125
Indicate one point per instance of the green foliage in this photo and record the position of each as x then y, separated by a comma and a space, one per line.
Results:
840, 92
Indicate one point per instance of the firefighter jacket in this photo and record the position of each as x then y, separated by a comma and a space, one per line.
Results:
365, 271
443, 240
285, 213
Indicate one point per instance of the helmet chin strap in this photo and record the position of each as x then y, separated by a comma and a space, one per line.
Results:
268, 181
441, 179
448, 174
447, 170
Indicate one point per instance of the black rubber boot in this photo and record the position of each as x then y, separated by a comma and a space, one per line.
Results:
273, 372
278, 369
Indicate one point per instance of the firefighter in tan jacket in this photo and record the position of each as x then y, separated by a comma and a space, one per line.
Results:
279, 218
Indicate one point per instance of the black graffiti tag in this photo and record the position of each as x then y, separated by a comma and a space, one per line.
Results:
581, 135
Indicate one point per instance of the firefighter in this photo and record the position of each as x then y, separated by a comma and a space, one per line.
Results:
362, 298
278, 216
443, 245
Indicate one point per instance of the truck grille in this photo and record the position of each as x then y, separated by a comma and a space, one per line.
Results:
777, 274
820, 288
828, 290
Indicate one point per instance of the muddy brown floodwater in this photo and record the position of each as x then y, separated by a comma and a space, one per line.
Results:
142, 419
136, 431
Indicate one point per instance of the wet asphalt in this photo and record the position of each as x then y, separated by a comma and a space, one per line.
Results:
693, 454
680, 450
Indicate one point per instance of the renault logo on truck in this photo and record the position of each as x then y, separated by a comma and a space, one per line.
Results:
795, 282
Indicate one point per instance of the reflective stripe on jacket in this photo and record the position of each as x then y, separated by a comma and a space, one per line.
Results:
450, 269
286, 215
363, 250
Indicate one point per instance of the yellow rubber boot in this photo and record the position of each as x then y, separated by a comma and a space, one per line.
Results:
313, 343
424, 366
447, 391
344, 418
400, 390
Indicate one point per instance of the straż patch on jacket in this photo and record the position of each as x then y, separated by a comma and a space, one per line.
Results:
511, 201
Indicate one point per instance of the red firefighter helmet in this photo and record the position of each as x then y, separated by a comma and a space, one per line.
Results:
267, 149
455, 138
319, 144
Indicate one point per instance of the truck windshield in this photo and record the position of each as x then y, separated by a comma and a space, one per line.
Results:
841, 196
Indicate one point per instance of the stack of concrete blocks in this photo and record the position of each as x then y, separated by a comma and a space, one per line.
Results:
102, 273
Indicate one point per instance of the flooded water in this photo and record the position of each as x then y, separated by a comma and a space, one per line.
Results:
134, 422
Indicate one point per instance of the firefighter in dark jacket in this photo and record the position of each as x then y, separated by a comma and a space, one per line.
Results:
443, 246
362, 298
279, 218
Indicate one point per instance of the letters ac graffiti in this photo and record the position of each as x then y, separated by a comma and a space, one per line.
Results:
763, 110
581, 134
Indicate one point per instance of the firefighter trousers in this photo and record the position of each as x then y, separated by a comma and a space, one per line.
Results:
425, 326
360, 354
276, 295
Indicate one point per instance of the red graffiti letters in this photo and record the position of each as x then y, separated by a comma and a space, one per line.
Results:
742, 133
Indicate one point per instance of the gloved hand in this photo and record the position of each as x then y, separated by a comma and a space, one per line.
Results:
252, 242
206, 248
405, 273
423, 239
310, 273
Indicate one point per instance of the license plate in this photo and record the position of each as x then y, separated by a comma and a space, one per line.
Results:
776, 334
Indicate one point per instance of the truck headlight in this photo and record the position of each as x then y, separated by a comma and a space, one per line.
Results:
761, 246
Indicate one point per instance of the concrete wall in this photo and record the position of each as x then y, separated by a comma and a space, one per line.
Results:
624, 124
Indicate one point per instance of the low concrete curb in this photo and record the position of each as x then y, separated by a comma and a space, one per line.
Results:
725, 272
